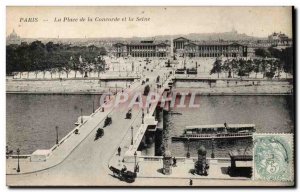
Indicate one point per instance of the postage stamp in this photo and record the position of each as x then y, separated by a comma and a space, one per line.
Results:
273, 157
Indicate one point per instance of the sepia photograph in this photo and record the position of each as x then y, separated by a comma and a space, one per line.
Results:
150, 96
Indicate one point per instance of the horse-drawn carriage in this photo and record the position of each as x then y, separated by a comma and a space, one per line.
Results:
128, 114
99, 133
123, 175
107, 121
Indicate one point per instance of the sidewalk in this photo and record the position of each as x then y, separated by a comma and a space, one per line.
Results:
217, 170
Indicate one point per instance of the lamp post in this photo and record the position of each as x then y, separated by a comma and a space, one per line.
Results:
212, 149
131, 135
81, 115
18, 153
93, 104
135, 161
56, 128
188, 152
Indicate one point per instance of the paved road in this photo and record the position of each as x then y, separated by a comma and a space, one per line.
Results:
88, 163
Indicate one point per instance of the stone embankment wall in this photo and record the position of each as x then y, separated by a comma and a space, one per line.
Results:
63, 86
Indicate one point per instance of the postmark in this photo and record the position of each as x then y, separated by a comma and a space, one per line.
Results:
273, 157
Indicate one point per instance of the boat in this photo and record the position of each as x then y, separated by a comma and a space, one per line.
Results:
217, 131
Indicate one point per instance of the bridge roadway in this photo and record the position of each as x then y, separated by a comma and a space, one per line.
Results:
87, 164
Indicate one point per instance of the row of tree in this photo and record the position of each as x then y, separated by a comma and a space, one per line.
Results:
51, 57
269, 62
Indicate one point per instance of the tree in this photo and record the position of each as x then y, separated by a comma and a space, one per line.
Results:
264, 65
278, 66
227, 67
76, 66
68, 67
217, 67
36, 72
256, 67
39, 56
241, 67
60, 71
98, 68
234, 64
52, 71
249, 67
288, 60
260, 52
276, 53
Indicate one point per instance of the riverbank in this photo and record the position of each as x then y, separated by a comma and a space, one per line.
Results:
94, 86
67, 86
267, 89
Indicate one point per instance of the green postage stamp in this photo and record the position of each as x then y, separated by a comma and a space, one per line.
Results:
273, 157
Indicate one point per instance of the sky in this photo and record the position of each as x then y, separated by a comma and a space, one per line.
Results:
39, 22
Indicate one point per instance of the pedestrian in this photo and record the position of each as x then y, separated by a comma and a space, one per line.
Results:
174, 162
137, 168
191, 182
119, 151
124, 169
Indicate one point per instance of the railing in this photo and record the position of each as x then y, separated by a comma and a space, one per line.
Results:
183, 159
16, 156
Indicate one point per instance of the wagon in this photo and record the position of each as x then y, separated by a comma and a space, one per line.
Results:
107, 121
127, 176
99, 133
128, 114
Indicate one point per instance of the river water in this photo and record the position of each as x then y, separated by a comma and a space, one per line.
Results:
31, 119
270, 114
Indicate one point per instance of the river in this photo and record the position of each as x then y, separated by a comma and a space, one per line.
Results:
31, 119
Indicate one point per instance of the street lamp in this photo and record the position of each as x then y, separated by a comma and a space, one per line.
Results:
131, 135
18, 153
188, 152
212, 149
56, 128
81, 115
135, 161
93, 104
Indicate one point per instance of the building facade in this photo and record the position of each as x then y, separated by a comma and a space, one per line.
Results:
179, 44
141, 49
187, 48
214, 49
279, 39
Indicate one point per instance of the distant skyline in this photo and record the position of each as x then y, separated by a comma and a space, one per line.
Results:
253, 21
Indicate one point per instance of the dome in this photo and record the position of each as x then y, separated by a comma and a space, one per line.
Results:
13, 35
167, 154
